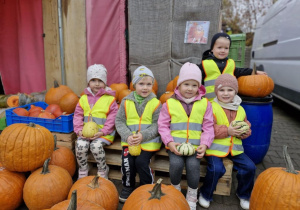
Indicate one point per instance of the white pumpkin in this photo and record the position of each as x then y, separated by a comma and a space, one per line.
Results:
242, 126
186, 149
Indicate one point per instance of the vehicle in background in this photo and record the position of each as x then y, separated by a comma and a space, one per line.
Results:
276, 49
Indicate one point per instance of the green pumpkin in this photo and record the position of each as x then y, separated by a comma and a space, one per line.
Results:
242, 126
186, 149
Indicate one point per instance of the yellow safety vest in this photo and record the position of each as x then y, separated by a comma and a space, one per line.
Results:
136, 123
99, 112
212, 72
222, 147
184, 128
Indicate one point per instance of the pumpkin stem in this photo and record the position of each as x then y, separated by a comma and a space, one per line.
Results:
31, 124
56, 85
288, 161
55, 142
73, 201
45, 167
94, 183
156, 192
254, 69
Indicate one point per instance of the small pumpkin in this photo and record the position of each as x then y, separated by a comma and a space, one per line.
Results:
11, 188
277, 187
118, 87
20, 146
90, 128
34, 108
13, 101
46, 114
47, 186
54, 109
63, 157
170, 86
175, 82
54, 94
21, 112
76, 204
122, 94
68, 103
186, 149
164, 97
98, 190
158, 196
242, 125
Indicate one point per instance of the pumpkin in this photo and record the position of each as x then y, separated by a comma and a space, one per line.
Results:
122, 94
11, 188
277, 187
90, 128
135, 150
34, 108
46, 186
98, 190
13, 101
118, 87
3, 101
68, 103
76, 204
25, 147
164, 97
186, 149
35, 113
158, 196
170, 86
63, 157
54, 109
46, 114
131, 87
54, 94
255, 85
25, 99
241, 125
175, 82
21, 112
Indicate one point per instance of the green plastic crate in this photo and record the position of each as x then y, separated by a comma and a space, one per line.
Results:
237, 49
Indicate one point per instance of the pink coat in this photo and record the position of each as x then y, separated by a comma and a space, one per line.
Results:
109, 125
164, 120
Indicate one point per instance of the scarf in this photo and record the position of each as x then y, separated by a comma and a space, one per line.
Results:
138, 98
234, 105
188, 100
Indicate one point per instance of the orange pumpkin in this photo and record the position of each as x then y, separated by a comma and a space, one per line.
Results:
68, 102
54, 109
47, 186
21, 111
54, 94
34, 108
78, 204
98, 190
13, 101
255, 85
63, 157
122, 94
131, 87
164, 97
118, 87
11, 188
35, 113
158, 196
175, 82
170, 86
20, 146
46, 114
277, 187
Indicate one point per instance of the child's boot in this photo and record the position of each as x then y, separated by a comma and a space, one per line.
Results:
203, 202
244, 203
125, 193
103, 172
83, 173
177, 187
191, 198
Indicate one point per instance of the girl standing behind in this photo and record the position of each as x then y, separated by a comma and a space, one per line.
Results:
187, 117
99, 103
136, 122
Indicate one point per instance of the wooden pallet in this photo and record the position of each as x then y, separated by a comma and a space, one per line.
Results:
160, 166
66, 139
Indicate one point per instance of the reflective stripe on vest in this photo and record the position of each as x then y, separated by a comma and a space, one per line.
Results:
99, 112
212, 72
222, 147
184, 128
136, 123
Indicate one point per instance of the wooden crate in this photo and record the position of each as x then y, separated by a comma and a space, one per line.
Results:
66, 139
160, 166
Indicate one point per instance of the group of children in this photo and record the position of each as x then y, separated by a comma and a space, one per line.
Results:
199, 114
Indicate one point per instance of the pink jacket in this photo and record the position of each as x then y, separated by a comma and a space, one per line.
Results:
164, 120
109, 124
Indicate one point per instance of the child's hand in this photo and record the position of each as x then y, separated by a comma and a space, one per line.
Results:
172, 146
233, 131
135, 139
201, 151
261, 73
97, 135
80, 135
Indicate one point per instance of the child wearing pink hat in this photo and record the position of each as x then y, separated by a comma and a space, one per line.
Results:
187, 117
227, 143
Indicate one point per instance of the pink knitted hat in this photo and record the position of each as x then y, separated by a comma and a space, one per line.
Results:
226, 80
189, 71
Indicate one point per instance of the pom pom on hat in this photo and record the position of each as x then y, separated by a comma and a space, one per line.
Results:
226, 80
97, 71
141, 72
189, 71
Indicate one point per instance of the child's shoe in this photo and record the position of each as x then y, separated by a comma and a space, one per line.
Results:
83, 173
203, 202
125, 193
177, 187
191, 198
244, 203
103, 174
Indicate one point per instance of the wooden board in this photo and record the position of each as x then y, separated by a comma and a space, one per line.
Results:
67, 137
69, 144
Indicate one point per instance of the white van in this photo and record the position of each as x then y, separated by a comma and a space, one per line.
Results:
276, 49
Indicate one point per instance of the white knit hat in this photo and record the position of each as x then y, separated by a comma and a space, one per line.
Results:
97, 71
141, 72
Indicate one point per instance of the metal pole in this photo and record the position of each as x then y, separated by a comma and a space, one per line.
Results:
61, 46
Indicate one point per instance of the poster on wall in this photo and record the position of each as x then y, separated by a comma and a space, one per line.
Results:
196, 32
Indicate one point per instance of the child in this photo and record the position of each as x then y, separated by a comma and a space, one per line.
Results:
215, 62
99, 103
187, 117
227, 143
136, 122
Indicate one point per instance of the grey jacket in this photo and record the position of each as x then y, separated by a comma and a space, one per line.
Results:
120, 123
